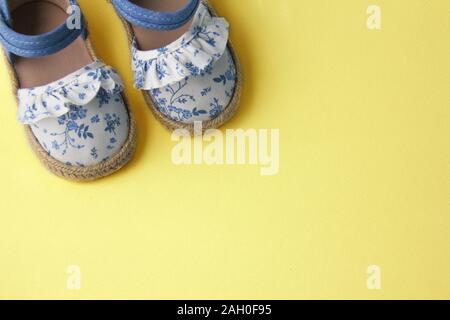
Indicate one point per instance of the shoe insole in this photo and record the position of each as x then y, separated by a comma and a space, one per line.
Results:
38, 17
152, 39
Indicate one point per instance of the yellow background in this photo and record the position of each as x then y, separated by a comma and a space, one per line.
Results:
364, 171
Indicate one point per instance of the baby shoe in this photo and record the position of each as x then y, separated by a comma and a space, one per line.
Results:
75, 115
182, 60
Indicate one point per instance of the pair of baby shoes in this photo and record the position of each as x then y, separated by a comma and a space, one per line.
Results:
73, 106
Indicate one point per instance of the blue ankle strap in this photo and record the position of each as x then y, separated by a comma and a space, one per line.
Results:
149, 19
37, 45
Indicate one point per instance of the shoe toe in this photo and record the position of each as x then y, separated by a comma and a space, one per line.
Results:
86, 135
199, 98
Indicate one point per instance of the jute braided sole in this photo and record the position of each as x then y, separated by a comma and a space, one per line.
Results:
217, 122
78, 173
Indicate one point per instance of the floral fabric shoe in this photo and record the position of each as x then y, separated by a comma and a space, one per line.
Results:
71, 104
182, 61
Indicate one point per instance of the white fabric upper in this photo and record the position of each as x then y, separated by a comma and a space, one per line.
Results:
194, 77
80, 120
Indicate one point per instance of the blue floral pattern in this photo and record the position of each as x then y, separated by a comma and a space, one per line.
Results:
193, 78
80, 120
78, 88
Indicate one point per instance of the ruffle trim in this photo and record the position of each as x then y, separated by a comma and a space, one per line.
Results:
78, 88
191, 55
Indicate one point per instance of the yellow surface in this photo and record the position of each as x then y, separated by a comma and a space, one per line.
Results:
364, 171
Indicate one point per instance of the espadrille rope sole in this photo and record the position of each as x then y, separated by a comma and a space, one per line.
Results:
217, 122
78, 173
